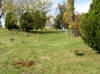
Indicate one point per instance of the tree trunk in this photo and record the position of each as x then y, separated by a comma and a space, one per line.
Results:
42, 28
74, 31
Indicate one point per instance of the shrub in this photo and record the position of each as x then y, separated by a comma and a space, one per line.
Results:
90, 25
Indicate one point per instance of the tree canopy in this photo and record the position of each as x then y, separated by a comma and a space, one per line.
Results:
34, 10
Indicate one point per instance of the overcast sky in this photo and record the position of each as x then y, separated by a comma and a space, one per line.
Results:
81, 6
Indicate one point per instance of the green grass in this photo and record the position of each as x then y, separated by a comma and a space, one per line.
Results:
52, 52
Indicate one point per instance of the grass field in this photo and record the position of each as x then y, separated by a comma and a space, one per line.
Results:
52, 53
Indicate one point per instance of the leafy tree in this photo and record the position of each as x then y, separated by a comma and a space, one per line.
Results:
57, 20
39, 19
90, 25
62, 9
11, 21
26, 22
0, 4
8, 6
21, 7
43, 19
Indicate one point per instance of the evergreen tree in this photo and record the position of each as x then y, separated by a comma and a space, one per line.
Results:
90, 25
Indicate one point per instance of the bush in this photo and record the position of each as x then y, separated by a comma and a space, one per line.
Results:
11, 21
90, 25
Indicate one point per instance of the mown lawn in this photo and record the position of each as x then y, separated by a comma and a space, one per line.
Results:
52, 53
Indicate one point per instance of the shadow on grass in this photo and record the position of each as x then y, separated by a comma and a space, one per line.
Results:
0, 43
98, 52
80, 54
36, 31
45, 32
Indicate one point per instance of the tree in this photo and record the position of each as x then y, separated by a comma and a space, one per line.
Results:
43, 19
26, 22
11, 21
62, 9
90, 25
69, 17
0, 3
78, 18
23, 9
39, 19
57, 20
8, 6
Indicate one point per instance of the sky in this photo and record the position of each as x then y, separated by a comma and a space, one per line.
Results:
81, 6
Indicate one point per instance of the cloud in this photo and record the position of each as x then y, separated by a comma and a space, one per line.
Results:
82, 7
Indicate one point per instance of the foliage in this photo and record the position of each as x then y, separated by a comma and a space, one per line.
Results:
0, 4
78, 18
66, 19
62, 9
69, 15
57, 20
90, 25
0, 25
39, 19
26, 22
11, 21
35, 10
43, 19
8, 6
34, 20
